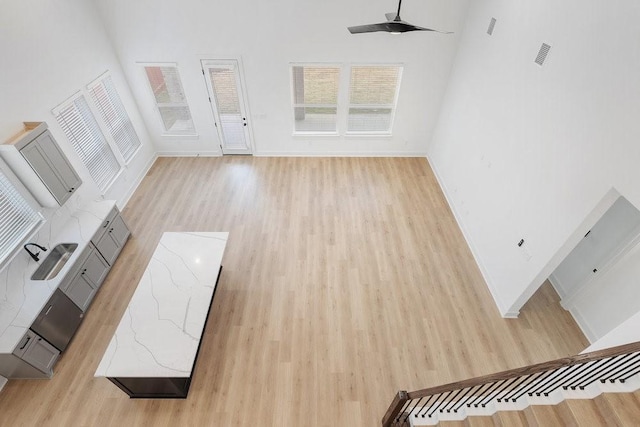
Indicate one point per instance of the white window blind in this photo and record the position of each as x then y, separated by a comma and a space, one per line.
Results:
372, 98
166, 86
315, 98
80, 126
17, 218
112, 111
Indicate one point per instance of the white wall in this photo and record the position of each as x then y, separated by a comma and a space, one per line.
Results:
626, 333
50, 50
267, 36
528, 152
611, 299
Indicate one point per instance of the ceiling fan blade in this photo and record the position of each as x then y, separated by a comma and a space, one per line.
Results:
416, 28
371, 28
389, 27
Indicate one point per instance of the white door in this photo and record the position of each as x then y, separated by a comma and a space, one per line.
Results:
227, 102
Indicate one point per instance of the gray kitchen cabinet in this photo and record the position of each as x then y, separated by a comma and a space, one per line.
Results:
114, 236
37, 352
42, 355
57, 174
40, 164
82, 288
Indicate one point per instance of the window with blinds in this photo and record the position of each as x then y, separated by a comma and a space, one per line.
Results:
17, 218
80, 126
372, 98
112, 111
315, 98
171, 102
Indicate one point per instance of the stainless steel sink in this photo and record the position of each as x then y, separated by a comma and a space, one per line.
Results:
54, 262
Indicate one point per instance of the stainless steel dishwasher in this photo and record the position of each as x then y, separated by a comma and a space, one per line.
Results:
58, 320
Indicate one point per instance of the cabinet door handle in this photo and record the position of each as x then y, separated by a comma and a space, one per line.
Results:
106, 224
110, 230
84, 271
25, 343
48, 309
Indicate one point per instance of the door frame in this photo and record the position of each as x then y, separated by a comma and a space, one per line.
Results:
243, 92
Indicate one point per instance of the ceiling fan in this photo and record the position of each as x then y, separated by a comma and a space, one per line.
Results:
394, 25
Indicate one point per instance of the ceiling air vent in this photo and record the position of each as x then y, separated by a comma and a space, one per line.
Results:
542, 54
491, 25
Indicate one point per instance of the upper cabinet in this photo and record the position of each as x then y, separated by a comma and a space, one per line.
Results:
35, 157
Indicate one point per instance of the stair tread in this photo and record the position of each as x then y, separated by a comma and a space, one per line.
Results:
483, 421
513, 418
625, 405
553, 415
592, 412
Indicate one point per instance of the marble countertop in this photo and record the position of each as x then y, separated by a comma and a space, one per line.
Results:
160, 331
22, 299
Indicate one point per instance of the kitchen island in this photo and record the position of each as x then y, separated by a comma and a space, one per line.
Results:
154, 349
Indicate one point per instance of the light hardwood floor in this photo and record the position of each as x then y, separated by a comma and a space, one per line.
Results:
344, 280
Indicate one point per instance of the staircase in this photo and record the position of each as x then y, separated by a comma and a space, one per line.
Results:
592, 389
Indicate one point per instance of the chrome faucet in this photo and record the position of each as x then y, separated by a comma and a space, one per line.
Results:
34, 256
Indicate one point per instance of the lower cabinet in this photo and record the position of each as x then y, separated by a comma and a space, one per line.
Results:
37, 352
110, 240
82, 288
41, 355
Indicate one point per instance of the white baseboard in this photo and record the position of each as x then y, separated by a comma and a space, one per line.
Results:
584, 325
188, 154
339, 154
3, 381
557, 286
504, 312
138, 180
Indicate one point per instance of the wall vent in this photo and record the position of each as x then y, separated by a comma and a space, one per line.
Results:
542, 54
491, 25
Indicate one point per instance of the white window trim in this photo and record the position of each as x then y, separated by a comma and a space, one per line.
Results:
394, 106
103, 126
119, 159
165, 133
344, 92
339, 102
26, 195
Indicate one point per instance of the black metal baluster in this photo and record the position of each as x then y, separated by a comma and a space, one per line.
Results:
435, 408
426, 406
534, 384
417, 403
507, 389
619, 369
599, 373
628, 369
480, 394
514, 388
452, 401
636, 372
530, 383
587, 372
496, 384
565, 375
462, 400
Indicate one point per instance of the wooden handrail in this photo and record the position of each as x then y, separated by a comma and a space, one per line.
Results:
398, 402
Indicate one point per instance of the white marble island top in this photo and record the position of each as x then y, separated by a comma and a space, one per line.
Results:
159, 333
22, 299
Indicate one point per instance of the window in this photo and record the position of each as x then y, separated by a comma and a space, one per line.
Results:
106, 98
315, 98
166, 86
17, 218
372, 98
80, 126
